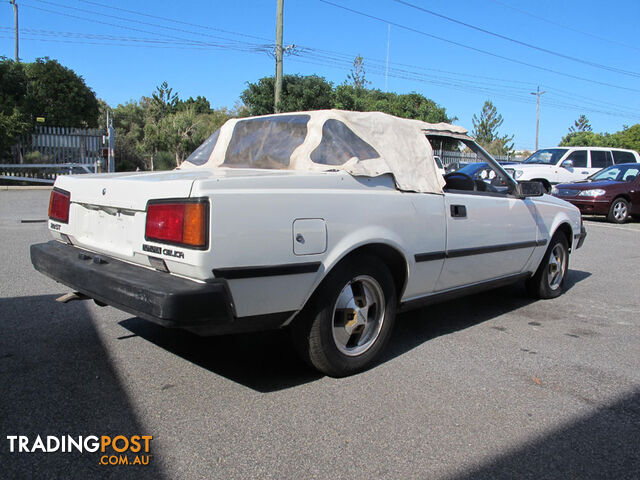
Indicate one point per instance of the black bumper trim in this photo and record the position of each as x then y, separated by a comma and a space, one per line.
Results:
266, 271
465, 252
582, 236
157, 296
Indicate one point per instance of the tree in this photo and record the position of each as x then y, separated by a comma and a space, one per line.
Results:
299, 93
411, 105
588, 139
14, 121
128, 122
628, 137
485, 131
357, 74
581, 125
59, 95
162, 102
199, 105
45, 89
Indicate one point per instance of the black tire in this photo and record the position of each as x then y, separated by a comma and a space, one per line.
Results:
619, 211
544, 284
317, 329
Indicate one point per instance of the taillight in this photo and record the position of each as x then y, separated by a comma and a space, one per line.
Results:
178, 222
59, 205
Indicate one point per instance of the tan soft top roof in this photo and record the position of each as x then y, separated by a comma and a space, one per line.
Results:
401, 143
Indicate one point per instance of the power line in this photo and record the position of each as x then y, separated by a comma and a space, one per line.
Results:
235, 45
565, 26
93, 12
434, 77
478, 50
519, 42
206, 27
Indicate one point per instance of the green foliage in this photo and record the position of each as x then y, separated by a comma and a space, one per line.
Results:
588, 139
46, 89
411, 105
199, 105
163, 161
59, 95
485, 131
357, 75
628, 137
299, 93
315, 93
581, 125
160, 131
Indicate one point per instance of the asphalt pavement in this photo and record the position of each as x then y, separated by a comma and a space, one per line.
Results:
491, 386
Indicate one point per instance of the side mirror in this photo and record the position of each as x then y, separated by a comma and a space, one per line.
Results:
530, 189
567, 164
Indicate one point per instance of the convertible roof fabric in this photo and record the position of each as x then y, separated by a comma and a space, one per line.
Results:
402, 147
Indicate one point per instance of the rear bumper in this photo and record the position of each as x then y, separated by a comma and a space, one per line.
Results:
204, 308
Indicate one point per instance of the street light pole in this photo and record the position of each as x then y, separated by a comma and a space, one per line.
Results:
538, 94
15, 16
278, 86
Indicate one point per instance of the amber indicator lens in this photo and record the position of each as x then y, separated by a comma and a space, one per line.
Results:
178, 223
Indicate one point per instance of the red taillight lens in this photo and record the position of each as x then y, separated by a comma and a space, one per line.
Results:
181, 223
59, 205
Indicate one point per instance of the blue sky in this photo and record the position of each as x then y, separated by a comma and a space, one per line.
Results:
212, 48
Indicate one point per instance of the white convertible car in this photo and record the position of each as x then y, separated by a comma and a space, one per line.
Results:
328, 222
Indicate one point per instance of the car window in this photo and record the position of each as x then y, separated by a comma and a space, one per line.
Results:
549, 156
265, 142
579, 158
620, 173
600, 159
339, 144
610, 173
630, 174
201, 155
623, 157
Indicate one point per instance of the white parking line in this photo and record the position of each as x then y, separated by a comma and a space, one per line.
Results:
598, 224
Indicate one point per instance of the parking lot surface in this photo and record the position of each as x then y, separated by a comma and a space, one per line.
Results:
491, 386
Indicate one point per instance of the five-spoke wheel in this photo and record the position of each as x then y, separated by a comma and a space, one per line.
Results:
348, 320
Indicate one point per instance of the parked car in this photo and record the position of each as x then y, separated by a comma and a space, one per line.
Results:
455, 166
326, 222
614, 192
569, 164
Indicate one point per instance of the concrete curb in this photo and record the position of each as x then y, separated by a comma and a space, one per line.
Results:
26, 187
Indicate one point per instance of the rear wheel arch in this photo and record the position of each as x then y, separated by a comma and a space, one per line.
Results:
391, 256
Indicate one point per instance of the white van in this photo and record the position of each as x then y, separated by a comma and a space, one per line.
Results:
568, 164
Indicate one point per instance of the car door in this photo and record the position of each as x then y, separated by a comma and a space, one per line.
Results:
599, 159
578, 171
489, 235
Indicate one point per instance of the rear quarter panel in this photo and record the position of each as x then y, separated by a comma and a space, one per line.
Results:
253, 226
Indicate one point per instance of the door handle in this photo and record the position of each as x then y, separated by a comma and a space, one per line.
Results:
458, 211
584, 172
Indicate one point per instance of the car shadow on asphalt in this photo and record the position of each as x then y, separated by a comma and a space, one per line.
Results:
56, 378
267, 362
603, 444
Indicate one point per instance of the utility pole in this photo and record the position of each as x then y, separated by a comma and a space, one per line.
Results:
538, 94
15, 16
278, 87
